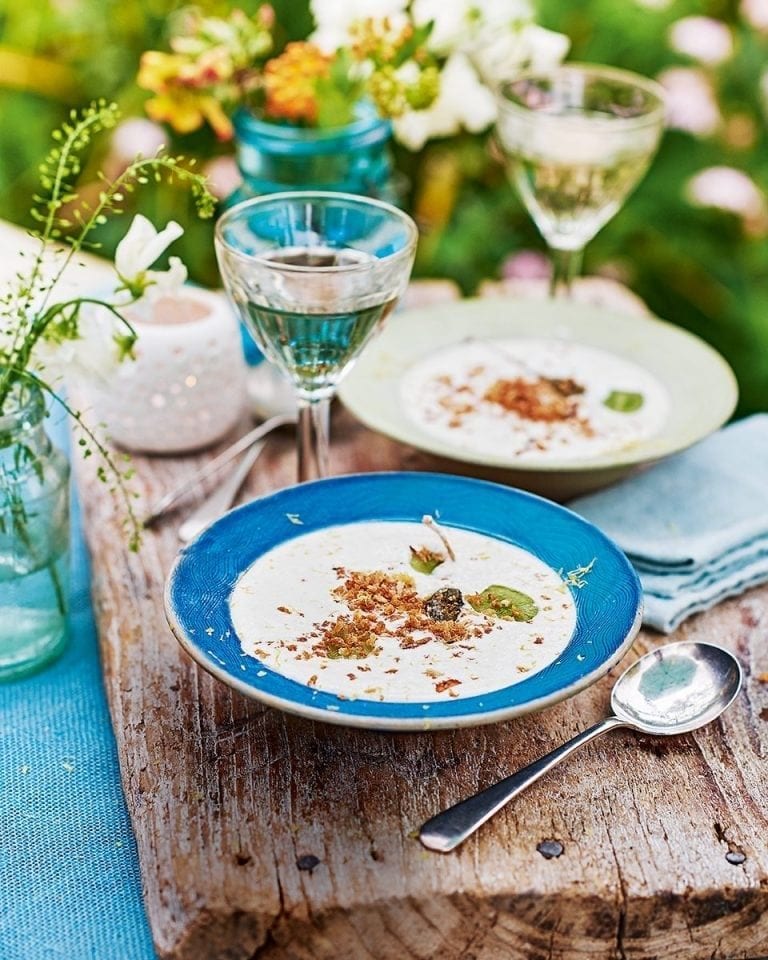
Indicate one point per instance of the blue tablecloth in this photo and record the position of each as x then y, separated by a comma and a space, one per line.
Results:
69, 874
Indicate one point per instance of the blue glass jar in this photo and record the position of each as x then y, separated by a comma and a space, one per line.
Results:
273, 157
351, 159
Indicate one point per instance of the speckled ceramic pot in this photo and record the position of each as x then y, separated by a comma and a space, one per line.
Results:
186, 387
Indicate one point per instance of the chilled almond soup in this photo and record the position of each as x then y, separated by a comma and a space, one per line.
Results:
534, 400
381, 611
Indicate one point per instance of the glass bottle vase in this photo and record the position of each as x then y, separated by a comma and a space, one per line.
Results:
34, 537
353, 158
274, 157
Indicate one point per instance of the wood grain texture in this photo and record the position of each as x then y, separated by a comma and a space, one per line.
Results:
265, 837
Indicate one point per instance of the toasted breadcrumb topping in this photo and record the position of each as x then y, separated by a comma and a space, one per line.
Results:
383, 605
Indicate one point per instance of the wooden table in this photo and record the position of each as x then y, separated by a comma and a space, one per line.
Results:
264, 836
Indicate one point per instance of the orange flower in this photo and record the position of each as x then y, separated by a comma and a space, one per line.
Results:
290, 82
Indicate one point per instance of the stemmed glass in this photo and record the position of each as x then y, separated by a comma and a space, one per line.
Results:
314, 275
577, 139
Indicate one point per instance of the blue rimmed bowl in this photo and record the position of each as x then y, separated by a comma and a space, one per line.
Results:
608, 607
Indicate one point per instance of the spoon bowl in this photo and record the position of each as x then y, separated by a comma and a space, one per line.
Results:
677, 688
674, 689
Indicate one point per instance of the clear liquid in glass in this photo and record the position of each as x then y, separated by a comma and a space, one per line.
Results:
33, 623
570, 202
314, 346
574, 169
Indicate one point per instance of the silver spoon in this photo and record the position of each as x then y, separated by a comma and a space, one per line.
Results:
675, 689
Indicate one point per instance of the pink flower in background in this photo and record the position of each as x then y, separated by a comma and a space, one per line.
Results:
137, 136
755, 12
729, 189
691, 103
702, 38
224, 177
526, 265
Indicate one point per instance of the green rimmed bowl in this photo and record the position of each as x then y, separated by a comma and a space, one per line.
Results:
701, 387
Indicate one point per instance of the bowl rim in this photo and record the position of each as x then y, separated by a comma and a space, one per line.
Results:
407, 432
452, 720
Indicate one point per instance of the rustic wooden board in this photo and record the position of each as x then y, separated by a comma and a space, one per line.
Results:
264, 836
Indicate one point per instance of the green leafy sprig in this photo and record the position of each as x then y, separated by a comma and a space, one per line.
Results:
29, 311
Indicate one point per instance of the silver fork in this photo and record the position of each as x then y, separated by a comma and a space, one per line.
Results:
164, 504
222, 497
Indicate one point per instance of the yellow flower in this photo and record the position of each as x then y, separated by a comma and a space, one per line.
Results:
182, 87
290, 82
187, 110
157, 70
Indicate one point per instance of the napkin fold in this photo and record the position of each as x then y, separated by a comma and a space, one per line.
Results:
695, 526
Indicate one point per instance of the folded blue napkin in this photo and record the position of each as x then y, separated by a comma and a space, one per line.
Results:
695, 526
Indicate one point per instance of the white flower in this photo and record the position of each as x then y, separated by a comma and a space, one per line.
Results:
755, 12
463, 101
166, 283
457, 23
142, 245
500, 57
703, 38
139, 249
727, 188
92, 356
690, 101
333, 18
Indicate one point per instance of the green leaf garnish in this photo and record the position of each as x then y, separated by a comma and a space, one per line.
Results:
505, 603
624, 402
425, 560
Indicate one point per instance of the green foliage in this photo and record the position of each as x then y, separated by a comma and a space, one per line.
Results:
30, 312
703, 269
424, 560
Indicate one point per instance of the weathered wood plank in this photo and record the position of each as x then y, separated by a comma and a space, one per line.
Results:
227, 797
231, 801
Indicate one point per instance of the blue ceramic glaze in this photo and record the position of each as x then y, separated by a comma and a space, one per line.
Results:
608, 608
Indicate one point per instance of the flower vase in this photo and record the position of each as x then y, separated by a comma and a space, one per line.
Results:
34, 537
354, 158
273, 157
184, 389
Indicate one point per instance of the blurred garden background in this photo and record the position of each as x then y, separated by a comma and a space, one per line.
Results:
692, 240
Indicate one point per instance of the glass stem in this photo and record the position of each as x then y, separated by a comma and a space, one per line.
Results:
313, 438
566, 264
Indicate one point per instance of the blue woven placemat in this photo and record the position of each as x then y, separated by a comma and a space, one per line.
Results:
69, 873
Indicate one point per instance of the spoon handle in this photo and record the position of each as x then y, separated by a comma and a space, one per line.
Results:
451, 827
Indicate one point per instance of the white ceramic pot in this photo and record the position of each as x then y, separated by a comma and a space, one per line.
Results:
186, 387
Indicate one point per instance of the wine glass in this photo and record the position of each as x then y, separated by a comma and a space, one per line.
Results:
314, 275
577, 140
